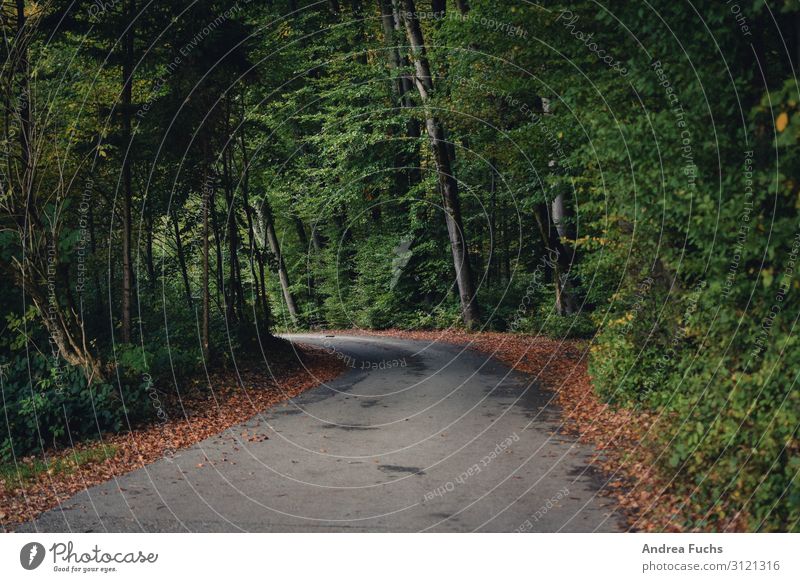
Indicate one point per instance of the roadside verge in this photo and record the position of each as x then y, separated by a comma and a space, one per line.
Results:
205, 407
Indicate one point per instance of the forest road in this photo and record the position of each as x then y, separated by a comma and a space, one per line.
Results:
414, 436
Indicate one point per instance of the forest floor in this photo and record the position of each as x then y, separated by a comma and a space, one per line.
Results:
38, 483
624, 456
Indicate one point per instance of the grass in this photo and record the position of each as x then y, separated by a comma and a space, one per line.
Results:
20, 475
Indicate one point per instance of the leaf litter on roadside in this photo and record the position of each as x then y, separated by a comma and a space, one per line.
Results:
194, 416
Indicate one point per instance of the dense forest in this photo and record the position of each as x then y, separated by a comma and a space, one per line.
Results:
182, 180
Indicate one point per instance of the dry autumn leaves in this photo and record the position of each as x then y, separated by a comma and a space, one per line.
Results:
38, 484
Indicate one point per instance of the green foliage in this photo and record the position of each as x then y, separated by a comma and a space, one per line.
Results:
54, 406
677, 167
572, 326
442, 316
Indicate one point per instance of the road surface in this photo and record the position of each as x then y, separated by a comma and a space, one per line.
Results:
415, 436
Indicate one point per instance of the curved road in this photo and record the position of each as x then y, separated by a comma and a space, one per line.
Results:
413, 437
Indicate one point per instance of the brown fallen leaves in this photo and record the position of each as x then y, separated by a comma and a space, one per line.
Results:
619, 434
220, 404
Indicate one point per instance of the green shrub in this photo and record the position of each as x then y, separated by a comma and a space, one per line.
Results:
57, 407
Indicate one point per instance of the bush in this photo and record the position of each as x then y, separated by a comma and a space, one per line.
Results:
57, 407
442, 316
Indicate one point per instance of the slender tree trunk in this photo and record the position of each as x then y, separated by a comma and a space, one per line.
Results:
98, 293
394, 60
283, 275
318, 243
239, 286
447, 182
26, 126
219, 273
265, 299
261, 290
206, 291
304, 243
402, 87
7, 93
151, 268
463, 6
301, 232
182, 258
558, 213
493, 248
556, 234
316, 239
507, 230
407, 86
560, 264
230, 223
127, 263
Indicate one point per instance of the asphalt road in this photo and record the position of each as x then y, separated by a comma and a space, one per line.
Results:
414, 437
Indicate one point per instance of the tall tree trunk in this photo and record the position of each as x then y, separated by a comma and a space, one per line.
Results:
507, 236
98, 292
561, 264
219, 271
402, 87
265, 301
283, 275
394, 60
316, 239
259, 293
493, 248
230, 223
463, 6
182, 258
408, 79
559, 215
206, 193
21, 50
261, 290
151, 268
301, 232
557, 237
127, 263
447, 182
304, 243
406, 85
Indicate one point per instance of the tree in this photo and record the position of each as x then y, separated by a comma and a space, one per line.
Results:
127, 180
267, 224
37, 222
447, 183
